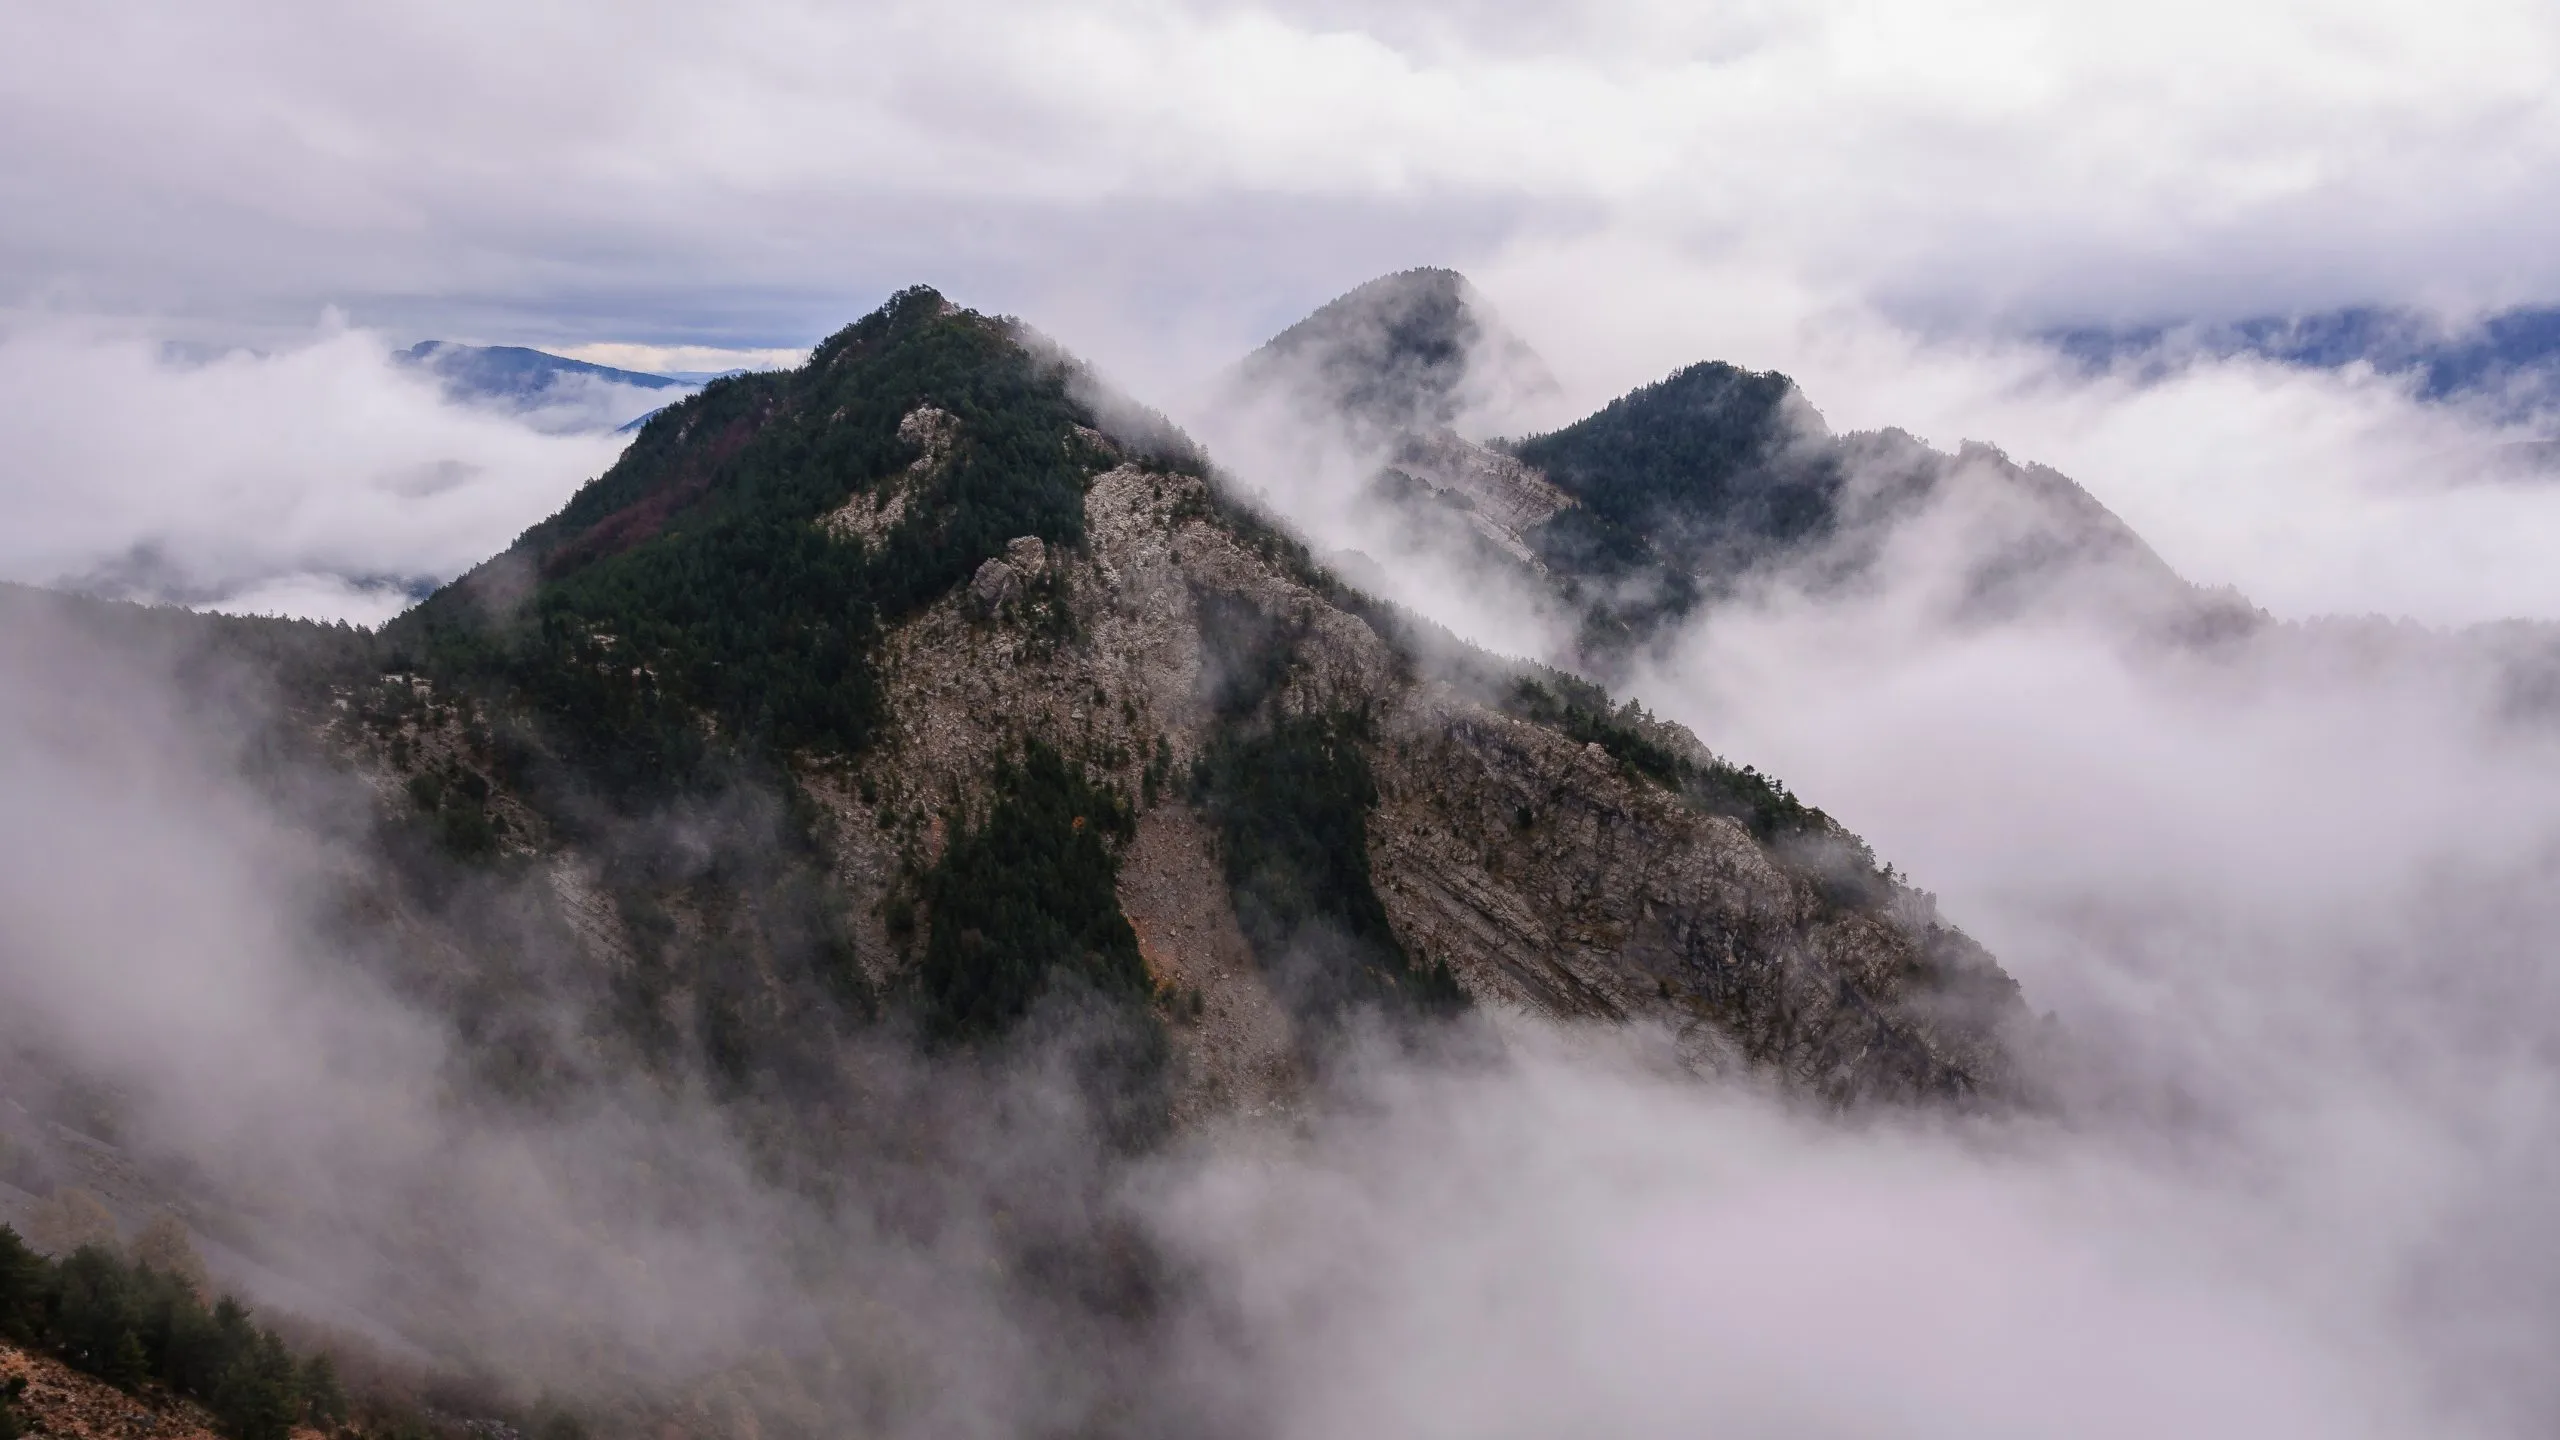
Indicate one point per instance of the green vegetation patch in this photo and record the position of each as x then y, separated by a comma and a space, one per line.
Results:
132, 1326
1581, 710
1682, 484
1291, 807
1027, 895
1710, 445
687, 601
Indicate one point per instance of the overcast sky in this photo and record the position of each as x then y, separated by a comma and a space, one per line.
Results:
1162, 184
753, 173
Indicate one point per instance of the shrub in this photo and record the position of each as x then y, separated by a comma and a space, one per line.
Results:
164, 1246
70, 1219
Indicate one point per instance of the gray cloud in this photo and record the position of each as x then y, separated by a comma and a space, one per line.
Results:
647, 169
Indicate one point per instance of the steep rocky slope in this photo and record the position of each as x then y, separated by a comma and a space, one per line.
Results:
60, 1401
1520, 842
1614, 898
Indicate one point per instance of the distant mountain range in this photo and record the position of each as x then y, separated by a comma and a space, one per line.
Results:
554, 391
2509, 360
512, 372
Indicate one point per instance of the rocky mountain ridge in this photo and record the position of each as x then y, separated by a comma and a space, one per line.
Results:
1532, 866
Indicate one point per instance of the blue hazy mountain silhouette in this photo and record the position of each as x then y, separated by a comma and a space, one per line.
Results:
516, 374
2511, 358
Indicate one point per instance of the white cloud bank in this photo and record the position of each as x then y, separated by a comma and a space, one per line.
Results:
2290, 900
319, 479
2290, 897
1570, 1244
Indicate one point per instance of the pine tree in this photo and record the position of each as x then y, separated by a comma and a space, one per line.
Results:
11, 1392
22, 1277
324, 1402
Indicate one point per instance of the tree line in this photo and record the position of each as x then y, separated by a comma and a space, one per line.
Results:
134, 1326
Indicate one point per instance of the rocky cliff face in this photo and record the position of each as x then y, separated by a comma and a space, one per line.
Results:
1545, 873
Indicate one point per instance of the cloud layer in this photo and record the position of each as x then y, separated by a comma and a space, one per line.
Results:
319, 479
2290, 903
693, 176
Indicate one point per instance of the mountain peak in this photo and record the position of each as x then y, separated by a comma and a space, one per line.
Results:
1415, 350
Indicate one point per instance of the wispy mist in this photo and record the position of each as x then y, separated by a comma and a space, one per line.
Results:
2290, 901
2287, 892
2287, 900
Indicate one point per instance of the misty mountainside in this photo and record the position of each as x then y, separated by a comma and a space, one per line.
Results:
1039, 703
738, 951
867, 733
1685, 491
